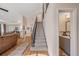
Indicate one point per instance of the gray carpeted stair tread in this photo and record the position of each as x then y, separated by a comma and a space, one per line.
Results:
40, 43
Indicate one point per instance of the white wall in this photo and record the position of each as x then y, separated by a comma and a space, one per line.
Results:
50, 29
30, 21
12, 20
22, 8
62, 22
50, 26
39, 18
10, 17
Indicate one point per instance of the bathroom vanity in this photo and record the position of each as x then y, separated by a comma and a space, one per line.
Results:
64, 43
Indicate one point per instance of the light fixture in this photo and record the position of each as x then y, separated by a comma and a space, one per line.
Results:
67, 15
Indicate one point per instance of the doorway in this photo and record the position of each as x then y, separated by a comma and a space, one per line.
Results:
64, 33
67, 32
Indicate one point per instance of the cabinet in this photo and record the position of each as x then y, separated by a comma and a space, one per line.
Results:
64, 43
7, 41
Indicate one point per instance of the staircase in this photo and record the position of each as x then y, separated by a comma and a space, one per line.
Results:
40, 43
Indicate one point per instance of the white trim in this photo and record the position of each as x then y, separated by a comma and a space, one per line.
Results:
73, 47
2, 29
73, 43
58, 31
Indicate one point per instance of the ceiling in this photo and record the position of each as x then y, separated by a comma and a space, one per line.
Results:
24, 9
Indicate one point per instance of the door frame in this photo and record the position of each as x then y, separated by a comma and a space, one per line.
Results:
73, 47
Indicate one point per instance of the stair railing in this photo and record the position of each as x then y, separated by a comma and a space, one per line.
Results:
34, 32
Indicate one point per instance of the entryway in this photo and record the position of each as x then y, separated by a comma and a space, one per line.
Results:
64, 32
67, 34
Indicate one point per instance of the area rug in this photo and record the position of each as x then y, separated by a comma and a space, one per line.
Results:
19, 50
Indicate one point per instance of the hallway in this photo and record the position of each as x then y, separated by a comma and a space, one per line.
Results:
22, 48
34, 29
